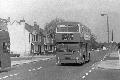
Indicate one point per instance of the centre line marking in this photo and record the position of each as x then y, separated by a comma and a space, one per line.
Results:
39, 68
93, 68
33, 69
29, 70
83, 77
89, 70
11, 75
16, 74
86, 73
5, 77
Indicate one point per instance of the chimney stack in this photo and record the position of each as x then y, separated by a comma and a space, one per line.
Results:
23, 20
8, 20
35, 23
36, 26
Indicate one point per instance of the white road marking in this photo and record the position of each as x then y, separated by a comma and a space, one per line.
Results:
29, 70
83, 77
93, 68
11, 75
86, 73
39, 68
16, 74
33, 69
5, 77
101, 60
0, 78
89, 70
93, 64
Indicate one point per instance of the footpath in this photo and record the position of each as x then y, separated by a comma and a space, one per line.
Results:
28, 59
107, 69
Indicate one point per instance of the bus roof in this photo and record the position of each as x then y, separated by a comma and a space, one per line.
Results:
69, 23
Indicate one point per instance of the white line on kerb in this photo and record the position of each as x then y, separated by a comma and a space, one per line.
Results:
5, 77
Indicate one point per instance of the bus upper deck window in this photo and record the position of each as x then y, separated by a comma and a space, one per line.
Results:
73, 29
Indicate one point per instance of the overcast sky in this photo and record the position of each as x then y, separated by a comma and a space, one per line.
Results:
85, 11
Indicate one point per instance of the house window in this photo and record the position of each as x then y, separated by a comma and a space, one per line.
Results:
32, 37
29, 38
39, 38
44, 40
36, 37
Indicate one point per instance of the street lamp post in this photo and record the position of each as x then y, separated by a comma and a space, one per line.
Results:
107, 25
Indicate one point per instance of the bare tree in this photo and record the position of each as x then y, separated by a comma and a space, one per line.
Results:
51, 26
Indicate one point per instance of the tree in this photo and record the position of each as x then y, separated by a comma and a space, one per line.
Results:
51, 26
94, 43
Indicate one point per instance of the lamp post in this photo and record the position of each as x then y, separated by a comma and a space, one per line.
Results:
112, 36
107, 25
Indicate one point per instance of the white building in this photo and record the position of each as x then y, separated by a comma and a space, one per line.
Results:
21, 38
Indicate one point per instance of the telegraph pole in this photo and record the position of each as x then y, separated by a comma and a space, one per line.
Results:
108, 28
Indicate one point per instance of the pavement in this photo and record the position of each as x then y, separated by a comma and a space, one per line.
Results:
107, 69
15, 61
112, 61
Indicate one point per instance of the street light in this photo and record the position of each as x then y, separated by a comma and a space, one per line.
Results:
107, 25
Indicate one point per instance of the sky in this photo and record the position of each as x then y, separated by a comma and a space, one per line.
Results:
84, 11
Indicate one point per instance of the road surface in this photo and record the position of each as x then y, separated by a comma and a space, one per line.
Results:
47, 70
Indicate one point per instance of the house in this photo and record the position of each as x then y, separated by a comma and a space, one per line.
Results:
37, 39
49, 44
24, 38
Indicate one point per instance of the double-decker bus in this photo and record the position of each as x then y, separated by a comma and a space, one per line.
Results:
72, 43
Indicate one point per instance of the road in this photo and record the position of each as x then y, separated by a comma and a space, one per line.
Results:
47, 70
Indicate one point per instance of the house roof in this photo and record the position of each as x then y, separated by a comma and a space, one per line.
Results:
33, 29
69, 23
29, 27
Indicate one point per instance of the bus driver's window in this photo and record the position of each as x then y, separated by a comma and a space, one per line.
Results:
5, 47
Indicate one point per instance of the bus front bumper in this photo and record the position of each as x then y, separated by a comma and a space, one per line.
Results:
70, 61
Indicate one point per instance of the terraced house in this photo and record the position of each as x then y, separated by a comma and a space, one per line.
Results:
24, 38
